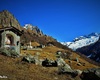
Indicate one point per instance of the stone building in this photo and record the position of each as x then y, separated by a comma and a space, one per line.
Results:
10, 38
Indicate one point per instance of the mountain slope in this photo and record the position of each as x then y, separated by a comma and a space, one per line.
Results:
92, 51
82, 41
35, 35
30, 33
8, 20
16, 69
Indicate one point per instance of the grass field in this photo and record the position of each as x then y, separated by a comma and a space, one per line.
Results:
15, 69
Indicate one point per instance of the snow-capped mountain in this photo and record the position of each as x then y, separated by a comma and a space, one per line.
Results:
92, 51
82, 41
28, 26
33, 28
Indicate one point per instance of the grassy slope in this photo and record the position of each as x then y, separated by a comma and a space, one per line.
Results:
15, 69
49, 52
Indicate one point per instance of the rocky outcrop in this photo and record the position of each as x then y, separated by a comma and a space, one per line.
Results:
8, 20
64, 68
35, 29
91, 74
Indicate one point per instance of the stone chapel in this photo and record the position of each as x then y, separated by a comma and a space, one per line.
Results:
10, 38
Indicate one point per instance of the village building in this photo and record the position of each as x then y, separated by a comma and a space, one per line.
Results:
10, 38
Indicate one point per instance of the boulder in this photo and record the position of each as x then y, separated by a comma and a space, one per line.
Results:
29, 58
36, 57
64, 68
58, 54
77, 60
49, 63
91, 74
79, 64
79, 72
60, 61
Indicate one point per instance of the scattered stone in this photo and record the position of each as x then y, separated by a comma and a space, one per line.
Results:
83, 64
49, 63
70, 61
58, 54
40, 61
36, 57
60, 61
79, 64
24, 47
65, 69
55, 78
29, 58
37, 53
91, 74
77, 60
79, 72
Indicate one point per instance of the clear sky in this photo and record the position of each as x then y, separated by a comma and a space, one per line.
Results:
62, 19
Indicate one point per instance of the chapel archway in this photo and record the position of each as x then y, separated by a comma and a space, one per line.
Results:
9, 40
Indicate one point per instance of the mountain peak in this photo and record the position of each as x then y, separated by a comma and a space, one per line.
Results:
82, 41
33, 28
94, 34
5, 11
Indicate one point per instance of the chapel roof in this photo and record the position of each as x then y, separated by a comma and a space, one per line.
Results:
13, 29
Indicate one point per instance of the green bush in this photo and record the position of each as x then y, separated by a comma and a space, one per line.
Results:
8, 52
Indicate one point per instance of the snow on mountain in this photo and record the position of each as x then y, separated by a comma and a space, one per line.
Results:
28, 26
33, 28
82, 41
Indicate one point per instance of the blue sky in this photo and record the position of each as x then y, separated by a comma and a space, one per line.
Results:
62, 19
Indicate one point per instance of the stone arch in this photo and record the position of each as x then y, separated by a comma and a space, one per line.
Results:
11, 36
9, 39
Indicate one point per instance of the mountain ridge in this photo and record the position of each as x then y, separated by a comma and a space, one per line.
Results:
82, 41
33, 28
91, 51
15, 68
33, 33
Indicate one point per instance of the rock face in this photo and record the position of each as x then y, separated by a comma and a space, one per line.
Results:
8, 20
91, 74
